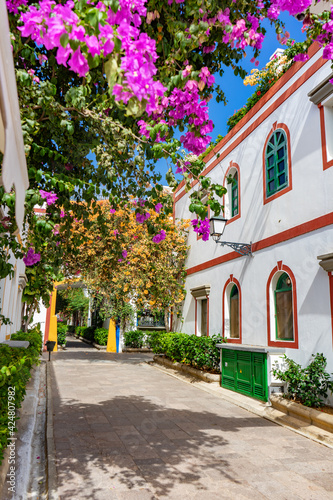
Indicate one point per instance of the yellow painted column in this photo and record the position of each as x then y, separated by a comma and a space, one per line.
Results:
53, 330
112, 342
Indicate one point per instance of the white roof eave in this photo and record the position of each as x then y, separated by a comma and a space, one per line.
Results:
14, 167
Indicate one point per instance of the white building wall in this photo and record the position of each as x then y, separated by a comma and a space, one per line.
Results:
11, 299
310, 198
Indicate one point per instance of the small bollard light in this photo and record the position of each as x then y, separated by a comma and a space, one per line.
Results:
50, 346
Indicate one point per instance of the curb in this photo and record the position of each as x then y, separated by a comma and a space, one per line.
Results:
137, 349
309, 415
97, 346
24, 437
257, 407
194, 372
4, 469
52, 482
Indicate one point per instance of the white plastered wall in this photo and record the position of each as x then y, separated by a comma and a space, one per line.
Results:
309, 199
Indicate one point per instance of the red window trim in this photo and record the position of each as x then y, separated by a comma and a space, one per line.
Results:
326, 164
235, 165
268, 199
330, 278
276, 343
236, 282
196, 316
280, 100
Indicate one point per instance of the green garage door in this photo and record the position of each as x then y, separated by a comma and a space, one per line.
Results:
245, 372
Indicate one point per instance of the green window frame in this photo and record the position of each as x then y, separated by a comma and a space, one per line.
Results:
276, 161
283, 302
234, 313
234, 195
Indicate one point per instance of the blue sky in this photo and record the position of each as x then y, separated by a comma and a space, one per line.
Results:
236, 92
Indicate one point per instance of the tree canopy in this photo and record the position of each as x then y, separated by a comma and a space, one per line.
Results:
149, 273
103, 87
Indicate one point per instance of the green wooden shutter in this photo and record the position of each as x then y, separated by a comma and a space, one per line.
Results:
228, 368
259, 371
244, 373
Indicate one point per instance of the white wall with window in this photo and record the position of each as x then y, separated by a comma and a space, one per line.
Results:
285, 189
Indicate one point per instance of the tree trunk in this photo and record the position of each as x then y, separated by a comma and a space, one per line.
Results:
27, 316
166, 320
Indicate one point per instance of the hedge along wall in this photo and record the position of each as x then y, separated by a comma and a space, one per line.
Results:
97, 335
15, 366
199, 352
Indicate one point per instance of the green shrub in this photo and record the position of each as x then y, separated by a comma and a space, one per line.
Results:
308, 385
71, 328
61, 333
34, 336
87, 332
101, 336
15, 365
152, 338
134, 338
79, 330
199, 352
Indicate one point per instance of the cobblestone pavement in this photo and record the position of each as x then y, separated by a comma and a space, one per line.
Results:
126, 430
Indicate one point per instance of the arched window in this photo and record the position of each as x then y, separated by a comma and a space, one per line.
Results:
281, 301
234, 195
284, 308
231, 199
234, 313
276, 162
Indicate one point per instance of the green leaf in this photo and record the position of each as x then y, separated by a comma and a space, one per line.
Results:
64, 39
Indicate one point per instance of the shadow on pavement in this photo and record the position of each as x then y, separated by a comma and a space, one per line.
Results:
130, 444
76, 349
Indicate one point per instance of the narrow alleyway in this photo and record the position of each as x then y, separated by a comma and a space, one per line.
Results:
126, 430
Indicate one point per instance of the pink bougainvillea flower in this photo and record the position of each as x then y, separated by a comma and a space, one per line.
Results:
141, 218
62, 214
124, 254
116, 232
158, 207
13, 5
202, 228
112, 211
31, 257
302, 57
159, 236
78, 63
50, 197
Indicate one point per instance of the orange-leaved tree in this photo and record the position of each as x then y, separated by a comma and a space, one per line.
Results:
124, 264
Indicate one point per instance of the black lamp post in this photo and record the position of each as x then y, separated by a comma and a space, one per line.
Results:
50, 346
217, 225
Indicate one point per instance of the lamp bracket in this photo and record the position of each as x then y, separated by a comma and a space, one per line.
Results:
241, 248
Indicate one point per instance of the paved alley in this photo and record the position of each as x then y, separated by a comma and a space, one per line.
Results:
125, 430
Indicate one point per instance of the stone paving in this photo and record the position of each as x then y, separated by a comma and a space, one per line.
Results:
125, 430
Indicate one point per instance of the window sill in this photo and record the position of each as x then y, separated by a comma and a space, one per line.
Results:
234, 341
291, 344
272, 197
235, 217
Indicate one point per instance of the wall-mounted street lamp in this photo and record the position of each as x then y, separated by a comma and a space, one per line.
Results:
217, 225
